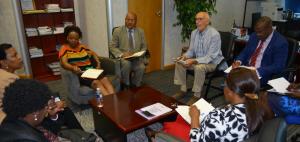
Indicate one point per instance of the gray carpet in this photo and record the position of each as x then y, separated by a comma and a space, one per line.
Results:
161, 81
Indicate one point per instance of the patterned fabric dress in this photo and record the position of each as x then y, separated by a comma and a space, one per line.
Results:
227, 124
78, 57
283, 105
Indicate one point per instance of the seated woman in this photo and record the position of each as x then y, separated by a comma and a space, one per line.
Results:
77, 58
236, 121
10, 61
284, 105
26, 105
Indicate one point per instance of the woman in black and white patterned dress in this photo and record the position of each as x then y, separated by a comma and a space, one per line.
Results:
236, 121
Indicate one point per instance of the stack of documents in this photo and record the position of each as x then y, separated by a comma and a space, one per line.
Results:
154, 110
201, 104
58, 30
52, 8
45, 30
35, 52
67, 23
31, 32
55, 68
279, 85
66, 9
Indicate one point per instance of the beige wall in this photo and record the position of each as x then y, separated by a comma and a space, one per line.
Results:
93, 23
8, 31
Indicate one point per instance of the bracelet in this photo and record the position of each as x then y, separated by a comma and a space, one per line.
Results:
54, 119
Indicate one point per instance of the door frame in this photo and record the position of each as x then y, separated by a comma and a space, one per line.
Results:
110, 23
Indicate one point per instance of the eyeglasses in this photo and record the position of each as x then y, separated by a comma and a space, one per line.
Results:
199, 19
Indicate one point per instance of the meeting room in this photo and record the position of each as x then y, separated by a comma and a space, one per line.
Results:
150, 71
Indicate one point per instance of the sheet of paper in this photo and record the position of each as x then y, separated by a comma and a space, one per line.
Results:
251, 68
228, 69
137, 54
92, 73
201, 104
153, 110
279, 84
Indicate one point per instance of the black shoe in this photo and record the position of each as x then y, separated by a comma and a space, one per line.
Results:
125, 87
133, 86
149, 133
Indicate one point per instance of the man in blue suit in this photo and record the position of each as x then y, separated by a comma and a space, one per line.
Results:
266, 50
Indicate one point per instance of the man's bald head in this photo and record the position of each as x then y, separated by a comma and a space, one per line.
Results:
202, 20
263, 27
130, 20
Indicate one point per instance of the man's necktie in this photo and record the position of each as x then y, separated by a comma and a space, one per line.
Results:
130, 40
256, 53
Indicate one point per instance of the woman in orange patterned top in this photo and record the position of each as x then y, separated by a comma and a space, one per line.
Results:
77, 58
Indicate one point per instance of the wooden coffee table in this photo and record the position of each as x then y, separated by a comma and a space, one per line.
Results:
118, 117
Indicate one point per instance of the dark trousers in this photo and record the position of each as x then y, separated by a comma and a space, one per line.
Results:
66, 119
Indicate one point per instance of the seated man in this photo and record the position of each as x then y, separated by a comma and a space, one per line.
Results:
202, 56
126, 41
266, 50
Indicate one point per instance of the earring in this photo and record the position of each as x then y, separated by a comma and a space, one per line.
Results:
35, 117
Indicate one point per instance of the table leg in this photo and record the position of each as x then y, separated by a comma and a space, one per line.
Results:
107, 130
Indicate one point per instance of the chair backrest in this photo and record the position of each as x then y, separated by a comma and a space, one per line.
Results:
227, 44
292, 52
274, 130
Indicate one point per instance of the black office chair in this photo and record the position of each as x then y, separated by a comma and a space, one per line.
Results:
274, 130
290, 68
227, 44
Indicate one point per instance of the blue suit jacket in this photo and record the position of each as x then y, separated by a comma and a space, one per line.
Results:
274, 58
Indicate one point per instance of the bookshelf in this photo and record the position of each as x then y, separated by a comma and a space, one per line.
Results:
43, 23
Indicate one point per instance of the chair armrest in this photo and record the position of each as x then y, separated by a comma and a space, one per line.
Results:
110, 66
78, 94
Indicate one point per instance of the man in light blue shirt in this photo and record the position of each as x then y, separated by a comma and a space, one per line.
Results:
202, 56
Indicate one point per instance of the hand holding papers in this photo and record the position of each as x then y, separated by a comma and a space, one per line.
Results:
152, 111
280, 85
201, 104
92, 73
181, 60
137, 54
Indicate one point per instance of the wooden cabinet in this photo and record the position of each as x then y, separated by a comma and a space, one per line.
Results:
48, 44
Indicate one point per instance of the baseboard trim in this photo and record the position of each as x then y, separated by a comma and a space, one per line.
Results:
168, 67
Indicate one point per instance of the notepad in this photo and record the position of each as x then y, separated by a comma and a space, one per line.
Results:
251, 68
280, 85
201, 104
91, 73
137, 54
154, 110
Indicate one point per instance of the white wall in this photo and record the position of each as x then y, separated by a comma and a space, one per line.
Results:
93, 23
227, 12
173, 43
8, 31
119, 11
